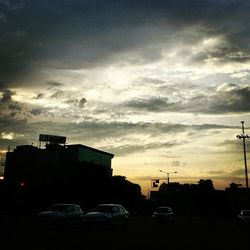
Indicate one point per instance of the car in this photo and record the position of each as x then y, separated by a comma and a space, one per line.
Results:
107, 215
61, 214
163, 214
244, 217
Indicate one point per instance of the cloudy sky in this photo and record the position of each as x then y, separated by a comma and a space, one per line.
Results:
161, 84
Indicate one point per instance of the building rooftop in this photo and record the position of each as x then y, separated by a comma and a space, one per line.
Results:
90, 148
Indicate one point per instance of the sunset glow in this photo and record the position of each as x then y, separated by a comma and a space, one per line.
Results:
159, 87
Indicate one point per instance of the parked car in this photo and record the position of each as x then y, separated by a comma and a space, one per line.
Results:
107, 215
163, 214
61, 214
244, 217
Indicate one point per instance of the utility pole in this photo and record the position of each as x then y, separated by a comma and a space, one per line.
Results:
244, 136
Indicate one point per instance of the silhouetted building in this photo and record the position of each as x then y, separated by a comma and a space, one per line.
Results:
186, 198
234, 186
56, 166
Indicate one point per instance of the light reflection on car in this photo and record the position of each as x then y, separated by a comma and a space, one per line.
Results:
163, 214
61, 214
107, 215
244, 217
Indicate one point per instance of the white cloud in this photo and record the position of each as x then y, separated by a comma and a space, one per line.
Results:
7, 135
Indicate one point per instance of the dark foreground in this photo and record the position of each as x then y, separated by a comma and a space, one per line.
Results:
19, 232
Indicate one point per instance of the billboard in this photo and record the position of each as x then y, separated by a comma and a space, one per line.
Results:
52, 138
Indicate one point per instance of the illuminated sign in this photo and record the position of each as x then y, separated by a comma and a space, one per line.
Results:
52, 138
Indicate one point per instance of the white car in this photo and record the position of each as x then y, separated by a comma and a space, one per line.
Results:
244, 217
107, 215
60, 214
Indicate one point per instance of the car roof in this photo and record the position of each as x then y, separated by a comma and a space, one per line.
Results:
245, 210
109, 204
65, 204
164, 207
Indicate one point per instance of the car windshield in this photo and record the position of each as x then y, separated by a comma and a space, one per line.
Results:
246, 213
59, 208
104, 209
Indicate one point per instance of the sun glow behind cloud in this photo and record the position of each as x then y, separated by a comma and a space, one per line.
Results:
154, 85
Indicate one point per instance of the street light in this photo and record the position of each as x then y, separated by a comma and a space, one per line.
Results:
244, 136
167, 174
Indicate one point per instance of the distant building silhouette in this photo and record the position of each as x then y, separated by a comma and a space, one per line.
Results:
56, 166
234, 186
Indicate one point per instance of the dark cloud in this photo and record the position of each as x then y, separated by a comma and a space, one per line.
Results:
42, 39
139, 148
39, 96
102, 135
96, 132
15, 106
57, 93
226, 174
8, 107
11, 125
81, 34
6, 96
175, 163
54, 84
12, 4
233, 146
82, 102
238, 172
5, 143
3, 17
221, 53
148, 80
236, 176
217, 172
230, 98
13, 111
64, 96
157, 104
37, 111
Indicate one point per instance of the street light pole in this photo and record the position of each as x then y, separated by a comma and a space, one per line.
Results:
167, 174
243, 136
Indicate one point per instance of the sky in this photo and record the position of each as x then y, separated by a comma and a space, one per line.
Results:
163, 85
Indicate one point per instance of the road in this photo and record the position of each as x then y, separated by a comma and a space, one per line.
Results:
21, 232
